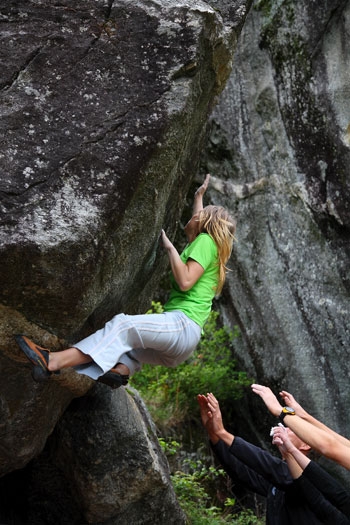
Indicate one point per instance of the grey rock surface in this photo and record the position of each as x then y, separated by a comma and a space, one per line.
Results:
114, 463
104, 107
103, 113
280, 152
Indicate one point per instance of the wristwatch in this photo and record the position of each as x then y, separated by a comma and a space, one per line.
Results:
286, 411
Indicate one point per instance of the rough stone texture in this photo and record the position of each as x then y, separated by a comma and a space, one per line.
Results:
116, 471
280, 150
103, 106
102, 464
29, 411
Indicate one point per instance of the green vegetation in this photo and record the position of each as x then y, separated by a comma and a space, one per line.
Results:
194, 486
170, 395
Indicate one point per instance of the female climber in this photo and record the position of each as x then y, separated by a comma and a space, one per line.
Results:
119, 349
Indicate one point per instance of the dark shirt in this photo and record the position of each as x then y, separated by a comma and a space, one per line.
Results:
288, 501
329, 487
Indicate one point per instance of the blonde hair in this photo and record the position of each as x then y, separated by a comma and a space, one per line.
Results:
217, 222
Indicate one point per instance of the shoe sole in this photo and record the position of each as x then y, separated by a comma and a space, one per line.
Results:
113, 380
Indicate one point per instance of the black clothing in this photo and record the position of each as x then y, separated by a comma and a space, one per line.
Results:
288, 501
330, 488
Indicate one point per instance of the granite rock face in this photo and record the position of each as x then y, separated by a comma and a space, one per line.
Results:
114, 463
104, 107
280, 151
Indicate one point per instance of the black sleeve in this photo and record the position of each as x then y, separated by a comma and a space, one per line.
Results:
273, 469
330, 488
319, 505
239, 472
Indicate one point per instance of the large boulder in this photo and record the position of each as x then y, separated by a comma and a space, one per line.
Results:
102, 464
114, 464
103, 112
104, 108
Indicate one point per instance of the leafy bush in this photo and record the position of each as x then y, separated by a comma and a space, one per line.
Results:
193, 489
170, 393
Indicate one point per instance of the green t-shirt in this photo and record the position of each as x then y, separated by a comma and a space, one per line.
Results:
196, 302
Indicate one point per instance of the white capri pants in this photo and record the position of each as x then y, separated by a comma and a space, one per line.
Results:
165, 339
